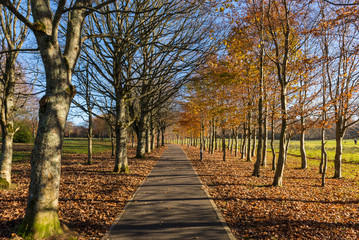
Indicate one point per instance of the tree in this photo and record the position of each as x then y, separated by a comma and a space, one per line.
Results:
41, 217
12, 38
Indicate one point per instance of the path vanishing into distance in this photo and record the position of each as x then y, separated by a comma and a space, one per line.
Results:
170, 204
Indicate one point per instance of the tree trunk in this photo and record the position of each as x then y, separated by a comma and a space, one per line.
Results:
278, 177
148, 140
224, 143
265, 139
113, 143
249, 134
302, 150
163, 130
6, 154
89, 139
213, 137
141, 136
324, 157
158, 137
338, 151
272, 142
254, 138
7, 121
121, 162
236, 143
244, 143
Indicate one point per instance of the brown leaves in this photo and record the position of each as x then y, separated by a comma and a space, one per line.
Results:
299, 210
91, 196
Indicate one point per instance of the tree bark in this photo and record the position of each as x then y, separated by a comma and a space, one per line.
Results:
278, 177
249, 134
224, 143
7, 124
265, 139
163, 130
302, 150
339, 133
272, 142
121, 161
89, 139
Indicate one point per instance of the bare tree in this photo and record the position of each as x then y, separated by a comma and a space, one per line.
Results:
13, 35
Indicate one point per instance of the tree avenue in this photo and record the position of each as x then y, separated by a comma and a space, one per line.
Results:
221, 75
150, 43
283, 65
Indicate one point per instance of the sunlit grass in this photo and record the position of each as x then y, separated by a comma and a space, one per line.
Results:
22, 151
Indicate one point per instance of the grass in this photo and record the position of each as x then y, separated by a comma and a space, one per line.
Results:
22, 150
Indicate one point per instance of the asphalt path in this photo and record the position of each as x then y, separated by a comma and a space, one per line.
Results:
170, 204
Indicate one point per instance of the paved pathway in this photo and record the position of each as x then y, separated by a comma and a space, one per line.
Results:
170, 204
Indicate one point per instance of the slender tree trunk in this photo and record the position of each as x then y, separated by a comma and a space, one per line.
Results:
213, 137
132, 138
163, 130
338, 151
113, 141
148, 140
302, 150
249, 134
224, 143
272, 142
244, 142
254, 138
265, 138
236, 143
7, 122
6, 155
324, 157
152, 133
89, 139
278, 177
158, 137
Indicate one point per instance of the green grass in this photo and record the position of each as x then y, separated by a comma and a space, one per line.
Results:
78, 145
313, 149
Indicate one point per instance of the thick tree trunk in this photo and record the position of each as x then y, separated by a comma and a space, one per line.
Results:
41, 217
121, 161
141, 136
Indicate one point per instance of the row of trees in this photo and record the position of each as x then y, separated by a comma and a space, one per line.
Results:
127, 59
288, 65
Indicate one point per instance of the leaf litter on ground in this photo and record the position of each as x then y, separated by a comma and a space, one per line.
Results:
91, 196
301, 209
